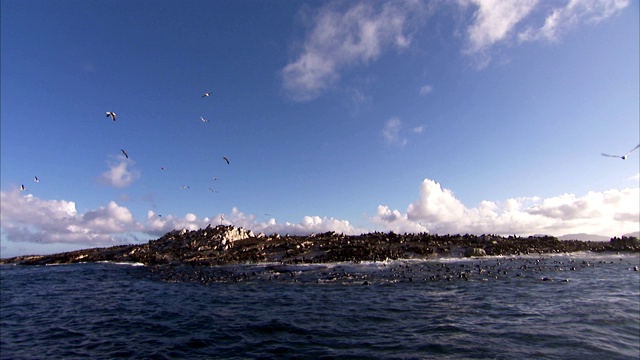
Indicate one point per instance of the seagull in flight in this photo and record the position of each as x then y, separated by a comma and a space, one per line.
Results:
112, 115
35, 179
623, 157
185, 187
125, 153
225, 159
203, 119
214, 191
207, 94
22, 188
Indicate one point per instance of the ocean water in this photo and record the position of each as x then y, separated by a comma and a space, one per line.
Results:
578, 306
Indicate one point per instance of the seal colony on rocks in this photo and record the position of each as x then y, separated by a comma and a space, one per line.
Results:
226, 244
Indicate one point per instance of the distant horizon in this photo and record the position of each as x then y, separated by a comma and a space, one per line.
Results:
567, 237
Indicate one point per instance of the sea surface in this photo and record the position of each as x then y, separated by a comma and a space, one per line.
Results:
570, 306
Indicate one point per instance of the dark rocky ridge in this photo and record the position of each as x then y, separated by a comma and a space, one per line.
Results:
229, 245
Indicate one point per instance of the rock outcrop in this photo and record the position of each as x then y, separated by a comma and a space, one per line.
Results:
227, 245
469, 252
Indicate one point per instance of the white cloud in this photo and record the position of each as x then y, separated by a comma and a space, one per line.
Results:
425, 90
562, 19
28, 218
394, 220
341, 35
494, 20
609, 213
391, 132
338, 38
308, 224
435, 204
119, 175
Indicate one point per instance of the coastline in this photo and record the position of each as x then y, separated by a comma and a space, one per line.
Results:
223, 245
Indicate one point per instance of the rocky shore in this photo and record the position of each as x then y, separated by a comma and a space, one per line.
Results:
223, 245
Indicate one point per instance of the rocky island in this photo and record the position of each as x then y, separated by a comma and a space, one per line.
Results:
223, 245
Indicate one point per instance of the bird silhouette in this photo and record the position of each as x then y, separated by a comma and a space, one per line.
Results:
625, 156
125, 153
112, 115
225, 159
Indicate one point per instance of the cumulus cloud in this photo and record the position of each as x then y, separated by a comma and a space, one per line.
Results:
119, 174
28, 218
437, 210
314, 224
309, 224
435, 204
340, 37
158, 225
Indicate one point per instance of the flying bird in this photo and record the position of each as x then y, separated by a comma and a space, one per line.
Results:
207, 94
185, 187
216, 179
112, 115
214, 191
35, 179
623, 157
22, 188
225, 159
203, 119
125, 153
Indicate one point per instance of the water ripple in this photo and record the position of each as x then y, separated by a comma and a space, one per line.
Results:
106, 311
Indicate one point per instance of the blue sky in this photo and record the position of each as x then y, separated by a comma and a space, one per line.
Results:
353, 116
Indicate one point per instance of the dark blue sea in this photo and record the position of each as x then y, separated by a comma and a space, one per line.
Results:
577, 306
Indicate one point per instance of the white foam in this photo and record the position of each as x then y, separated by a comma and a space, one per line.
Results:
122, 263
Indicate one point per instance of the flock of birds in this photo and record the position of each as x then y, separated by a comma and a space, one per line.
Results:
113, 116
